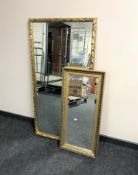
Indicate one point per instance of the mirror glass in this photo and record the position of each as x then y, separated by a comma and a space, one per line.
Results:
82, 95
82, 98
56, 45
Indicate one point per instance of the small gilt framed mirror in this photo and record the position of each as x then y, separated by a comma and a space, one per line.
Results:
81, 109
54, 44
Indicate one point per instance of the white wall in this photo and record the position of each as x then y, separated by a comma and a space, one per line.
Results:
116, 53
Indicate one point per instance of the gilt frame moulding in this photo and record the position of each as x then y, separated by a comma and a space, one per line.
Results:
82, 72
31, 39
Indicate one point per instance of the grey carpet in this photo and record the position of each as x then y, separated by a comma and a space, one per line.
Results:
23, 153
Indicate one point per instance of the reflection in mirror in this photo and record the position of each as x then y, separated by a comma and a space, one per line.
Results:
49, 80
80, 112
57, 44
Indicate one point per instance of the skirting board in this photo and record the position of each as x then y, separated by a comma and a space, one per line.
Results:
102, 137
16, 116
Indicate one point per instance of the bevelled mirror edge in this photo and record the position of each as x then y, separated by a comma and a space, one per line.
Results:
63, 144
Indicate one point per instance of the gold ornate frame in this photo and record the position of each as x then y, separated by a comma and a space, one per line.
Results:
82, 72
93, 46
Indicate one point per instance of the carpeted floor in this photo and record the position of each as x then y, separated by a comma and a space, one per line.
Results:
23, 153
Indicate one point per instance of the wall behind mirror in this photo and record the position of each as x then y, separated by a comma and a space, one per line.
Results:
55, 44
117, 36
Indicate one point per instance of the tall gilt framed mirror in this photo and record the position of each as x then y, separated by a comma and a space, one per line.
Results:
55, 43
81, 109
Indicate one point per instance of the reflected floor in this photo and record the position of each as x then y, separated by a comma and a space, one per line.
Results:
81, 122
49, 112
79, 131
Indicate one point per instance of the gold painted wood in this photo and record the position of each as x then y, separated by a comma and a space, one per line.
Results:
95, 138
